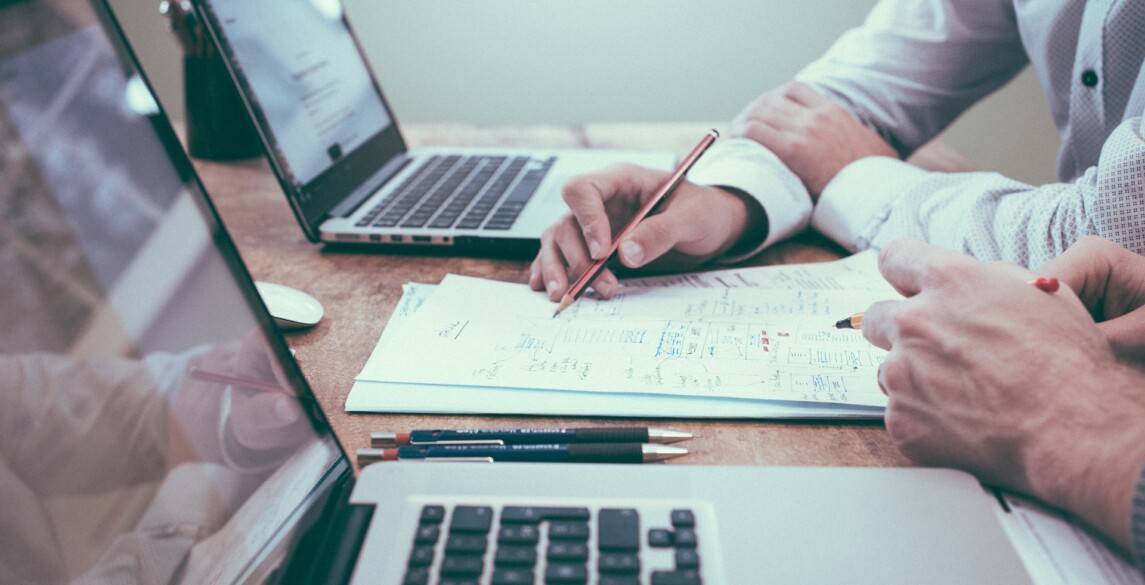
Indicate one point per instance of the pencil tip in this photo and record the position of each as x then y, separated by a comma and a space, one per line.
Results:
843, 323
565, 302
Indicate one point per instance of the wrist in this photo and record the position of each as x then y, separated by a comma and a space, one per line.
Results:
751, 229
1090, 463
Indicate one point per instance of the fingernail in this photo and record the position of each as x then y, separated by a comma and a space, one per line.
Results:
593, 248
633, 253
533, 274
604, 288
551, 285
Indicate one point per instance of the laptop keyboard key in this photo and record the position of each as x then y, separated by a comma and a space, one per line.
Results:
465, 544
462, 565
421, 556
515, 555
432, 514
619, 529
568, 531
566, 573
675, 578
513, 576
685, 538
418, 576
683, 518
427, 534
687, 558
519, 534
626, 563
619, 580
567, 551
470, 519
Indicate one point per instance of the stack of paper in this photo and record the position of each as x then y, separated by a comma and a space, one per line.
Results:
738, 343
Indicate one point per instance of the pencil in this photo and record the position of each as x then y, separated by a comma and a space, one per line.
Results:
581, 284
1049, 285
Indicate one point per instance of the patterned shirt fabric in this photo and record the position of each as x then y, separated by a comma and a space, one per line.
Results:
915, 65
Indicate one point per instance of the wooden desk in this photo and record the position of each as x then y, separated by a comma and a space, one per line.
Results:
359, 291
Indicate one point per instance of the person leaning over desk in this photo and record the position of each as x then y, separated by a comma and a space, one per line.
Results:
825, 149
1039, 393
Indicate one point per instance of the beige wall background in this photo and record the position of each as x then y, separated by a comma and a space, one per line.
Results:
554, 61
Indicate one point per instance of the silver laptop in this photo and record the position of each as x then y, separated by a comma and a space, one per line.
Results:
340, 157
155, 428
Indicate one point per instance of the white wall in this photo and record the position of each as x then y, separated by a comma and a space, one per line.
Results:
556, 61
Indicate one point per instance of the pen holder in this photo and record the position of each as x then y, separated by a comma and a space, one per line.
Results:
218, 126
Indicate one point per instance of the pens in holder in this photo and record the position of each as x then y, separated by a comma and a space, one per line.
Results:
569, 453
1049, 285
581, 284
528, 436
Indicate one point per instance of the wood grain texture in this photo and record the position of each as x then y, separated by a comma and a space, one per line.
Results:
360, 290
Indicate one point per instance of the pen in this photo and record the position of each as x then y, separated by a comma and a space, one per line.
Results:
528, 436
581, 284
567, 453
1049, 285
209, 376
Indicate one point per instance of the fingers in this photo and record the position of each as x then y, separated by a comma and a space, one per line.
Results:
589, 195
880, 323
1126, 335
562, 252
1108, 279
909, 265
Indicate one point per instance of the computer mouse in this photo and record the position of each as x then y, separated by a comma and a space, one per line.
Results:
291, 308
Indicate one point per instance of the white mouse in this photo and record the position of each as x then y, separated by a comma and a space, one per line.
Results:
291, 308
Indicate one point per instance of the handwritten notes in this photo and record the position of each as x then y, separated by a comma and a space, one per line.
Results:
761, 333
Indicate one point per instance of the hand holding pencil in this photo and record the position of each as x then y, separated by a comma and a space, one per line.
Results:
693, 225
662, 192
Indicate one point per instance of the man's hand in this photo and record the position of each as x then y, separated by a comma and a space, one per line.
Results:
693, 225
1111, 282
1018, 386
812, 135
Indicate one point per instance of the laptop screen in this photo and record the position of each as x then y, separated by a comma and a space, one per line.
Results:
153, 427
324, 121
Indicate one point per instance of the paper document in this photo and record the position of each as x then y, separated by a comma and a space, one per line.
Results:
1057, 551
758, 334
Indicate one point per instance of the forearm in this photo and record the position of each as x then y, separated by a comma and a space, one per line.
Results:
875, 200
915, 65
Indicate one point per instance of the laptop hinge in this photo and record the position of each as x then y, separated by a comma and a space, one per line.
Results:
328, 551
370, 186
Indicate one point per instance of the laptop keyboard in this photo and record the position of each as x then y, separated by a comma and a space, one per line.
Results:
474, 192
510, 545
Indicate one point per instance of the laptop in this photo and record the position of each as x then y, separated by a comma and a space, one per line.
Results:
156, 429
335, 145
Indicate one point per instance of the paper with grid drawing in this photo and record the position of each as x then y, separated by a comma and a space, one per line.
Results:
756, 333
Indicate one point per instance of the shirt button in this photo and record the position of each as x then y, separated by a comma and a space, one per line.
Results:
1089, 78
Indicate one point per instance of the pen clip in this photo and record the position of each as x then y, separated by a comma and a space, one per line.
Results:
455, 459
460, 442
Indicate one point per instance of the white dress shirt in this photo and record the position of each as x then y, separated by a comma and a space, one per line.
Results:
916, 65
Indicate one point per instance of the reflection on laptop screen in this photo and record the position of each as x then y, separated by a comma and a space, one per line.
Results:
315, 92
150, 431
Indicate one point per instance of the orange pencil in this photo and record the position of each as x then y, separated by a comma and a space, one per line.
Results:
581, 284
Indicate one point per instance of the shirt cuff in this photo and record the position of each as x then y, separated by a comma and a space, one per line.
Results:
745, 165
856, 202
1137, 524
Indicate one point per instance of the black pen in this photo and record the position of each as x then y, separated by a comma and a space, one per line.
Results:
582, 453
528, 436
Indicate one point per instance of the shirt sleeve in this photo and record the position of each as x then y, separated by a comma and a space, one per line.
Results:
875, 200
1137, 524
749, 167
914, 65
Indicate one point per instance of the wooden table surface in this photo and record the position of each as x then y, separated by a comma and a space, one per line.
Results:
360, 290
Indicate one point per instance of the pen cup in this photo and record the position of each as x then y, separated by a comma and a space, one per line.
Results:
218, 126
